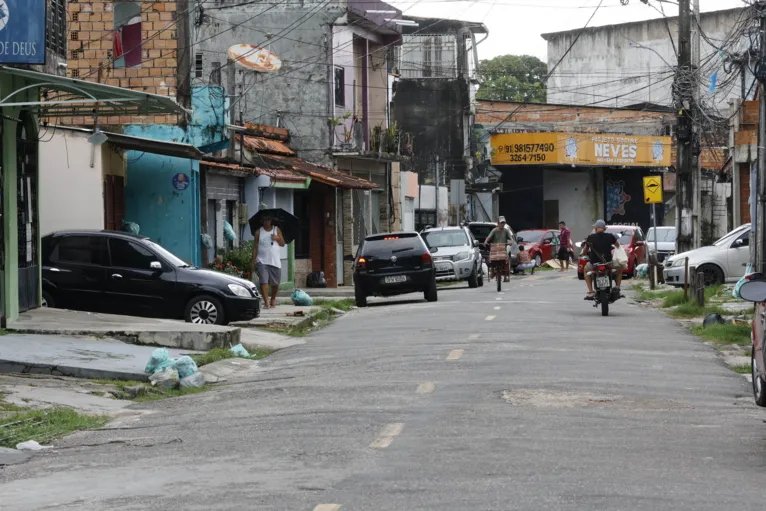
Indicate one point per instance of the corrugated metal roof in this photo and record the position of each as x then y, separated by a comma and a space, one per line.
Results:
264, 145
279, 175
319, 173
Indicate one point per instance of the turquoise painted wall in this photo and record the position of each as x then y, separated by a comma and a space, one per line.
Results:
168, 215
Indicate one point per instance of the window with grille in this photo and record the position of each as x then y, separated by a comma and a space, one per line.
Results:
198, 62
55, 31
340, 86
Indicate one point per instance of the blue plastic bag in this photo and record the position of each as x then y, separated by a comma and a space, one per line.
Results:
130, 227
159, 361
207, 241
642, 270
301, 298
240, 351
228, 232
735, 291
186, 366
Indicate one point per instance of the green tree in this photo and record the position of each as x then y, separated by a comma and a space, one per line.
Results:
513, 78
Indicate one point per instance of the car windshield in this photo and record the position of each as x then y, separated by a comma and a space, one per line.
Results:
455, 238
624, 236
663, 235
481, 231
171, 258
387, 245
729, 236
529, 236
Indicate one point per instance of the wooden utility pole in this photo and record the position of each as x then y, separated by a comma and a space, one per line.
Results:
684, 132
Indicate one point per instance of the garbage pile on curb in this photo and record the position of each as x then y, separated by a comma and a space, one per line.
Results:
169, 373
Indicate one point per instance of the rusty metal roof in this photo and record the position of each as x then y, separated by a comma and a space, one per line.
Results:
266, 146
319, 173
279, 175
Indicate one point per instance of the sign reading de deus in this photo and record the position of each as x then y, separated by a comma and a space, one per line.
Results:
22, 31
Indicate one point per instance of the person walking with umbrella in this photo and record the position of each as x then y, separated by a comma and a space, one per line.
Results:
266, 254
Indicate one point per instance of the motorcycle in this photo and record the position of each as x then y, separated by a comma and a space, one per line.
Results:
603, 283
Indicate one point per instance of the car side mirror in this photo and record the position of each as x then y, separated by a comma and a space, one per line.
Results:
546, 242
476, 243
433, 250
738, 243
753, 291
640, 243
155, 265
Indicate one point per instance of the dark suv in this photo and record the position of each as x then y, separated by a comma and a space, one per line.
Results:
121, 273
393, 264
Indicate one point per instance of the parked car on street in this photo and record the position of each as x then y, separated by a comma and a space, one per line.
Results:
393, 264
631, 238
754, 290
481, 230
456, 254
542, 244
666, 242
725, 260
121, 273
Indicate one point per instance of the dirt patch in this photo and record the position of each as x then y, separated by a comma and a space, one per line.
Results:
537, 398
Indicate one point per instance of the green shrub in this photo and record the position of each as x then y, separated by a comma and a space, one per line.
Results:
235, 262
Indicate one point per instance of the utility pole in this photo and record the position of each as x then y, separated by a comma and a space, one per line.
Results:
761, 202
231, 92
684, 132
437, 192
698, 132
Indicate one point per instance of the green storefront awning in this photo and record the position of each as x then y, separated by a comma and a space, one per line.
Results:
68, 97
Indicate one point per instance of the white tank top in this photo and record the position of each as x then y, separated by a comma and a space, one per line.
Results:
268, 250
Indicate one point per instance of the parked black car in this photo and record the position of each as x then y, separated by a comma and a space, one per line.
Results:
393, 264
120, 273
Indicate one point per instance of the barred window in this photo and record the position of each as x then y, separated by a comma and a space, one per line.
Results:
55, 31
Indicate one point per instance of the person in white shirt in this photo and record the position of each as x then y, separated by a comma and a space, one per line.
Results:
266, 255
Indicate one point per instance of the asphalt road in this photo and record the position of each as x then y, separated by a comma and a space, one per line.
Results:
483, 401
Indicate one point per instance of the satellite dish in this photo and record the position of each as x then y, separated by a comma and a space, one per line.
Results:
255, 58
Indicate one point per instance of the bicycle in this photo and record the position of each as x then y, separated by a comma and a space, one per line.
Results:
498, 257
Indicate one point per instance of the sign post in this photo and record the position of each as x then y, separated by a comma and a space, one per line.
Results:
653, 195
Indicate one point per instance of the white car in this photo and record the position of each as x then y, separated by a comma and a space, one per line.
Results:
666, 242
725, 260
455, 253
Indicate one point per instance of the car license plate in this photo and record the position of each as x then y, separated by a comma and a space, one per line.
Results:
395, 280
443, 267
602, 282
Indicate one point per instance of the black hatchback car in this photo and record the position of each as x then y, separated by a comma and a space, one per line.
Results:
121, 273
393, 264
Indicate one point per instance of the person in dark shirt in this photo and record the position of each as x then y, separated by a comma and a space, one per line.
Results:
598, 248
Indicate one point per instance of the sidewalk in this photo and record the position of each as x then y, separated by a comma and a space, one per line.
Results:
327, 292
80, 357
282, 316
135, 330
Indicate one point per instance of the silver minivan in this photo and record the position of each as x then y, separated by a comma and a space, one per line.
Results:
455, 253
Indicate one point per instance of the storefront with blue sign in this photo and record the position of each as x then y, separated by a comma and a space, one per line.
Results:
22, 32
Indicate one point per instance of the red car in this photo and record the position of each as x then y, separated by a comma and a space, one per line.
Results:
631, 238
542, 244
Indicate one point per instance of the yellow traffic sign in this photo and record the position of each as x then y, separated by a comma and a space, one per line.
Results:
653, 190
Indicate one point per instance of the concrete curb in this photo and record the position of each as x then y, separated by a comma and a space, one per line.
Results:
11, 366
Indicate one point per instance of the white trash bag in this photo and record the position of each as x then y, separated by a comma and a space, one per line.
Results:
193, 381
620, 257
166, 379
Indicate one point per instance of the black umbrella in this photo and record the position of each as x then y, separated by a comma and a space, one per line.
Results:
287, 223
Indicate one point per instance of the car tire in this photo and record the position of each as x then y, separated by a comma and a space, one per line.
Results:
360, 297
712, 274
580, 276
538, 260
205, 310
759, 386
431, 293
473, 280
481, 279
47, 300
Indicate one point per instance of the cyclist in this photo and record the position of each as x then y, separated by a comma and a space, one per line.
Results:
501, 234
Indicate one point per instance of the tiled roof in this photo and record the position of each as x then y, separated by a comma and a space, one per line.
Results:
264, 145
319, 173
279, 175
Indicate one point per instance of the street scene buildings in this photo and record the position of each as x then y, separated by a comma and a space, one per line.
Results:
371, 255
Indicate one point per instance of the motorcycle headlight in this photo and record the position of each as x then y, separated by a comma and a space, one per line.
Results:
678, 262
462, 255
240, 291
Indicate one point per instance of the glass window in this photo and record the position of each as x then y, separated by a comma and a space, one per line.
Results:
445, 238
529, 236
81, 250
126, 254
745, 239
340, 86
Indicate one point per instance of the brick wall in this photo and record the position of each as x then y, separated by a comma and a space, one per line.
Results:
90, 35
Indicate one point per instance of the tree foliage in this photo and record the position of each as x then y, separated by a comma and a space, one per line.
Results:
513, 78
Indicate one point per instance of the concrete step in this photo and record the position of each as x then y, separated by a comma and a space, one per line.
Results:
146, 331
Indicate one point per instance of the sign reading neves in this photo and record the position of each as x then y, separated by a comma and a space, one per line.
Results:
580, 149
22, 31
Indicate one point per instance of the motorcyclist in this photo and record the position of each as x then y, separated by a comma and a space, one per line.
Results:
501, 234
598, 248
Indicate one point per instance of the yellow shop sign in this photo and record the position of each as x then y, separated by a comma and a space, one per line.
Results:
580, 149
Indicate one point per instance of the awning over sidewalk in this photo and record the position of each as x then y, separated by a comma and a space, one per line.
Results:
65, 97
146, 145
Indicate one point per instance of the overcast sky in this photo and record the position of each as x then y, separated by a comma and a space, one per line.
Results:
515, 25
